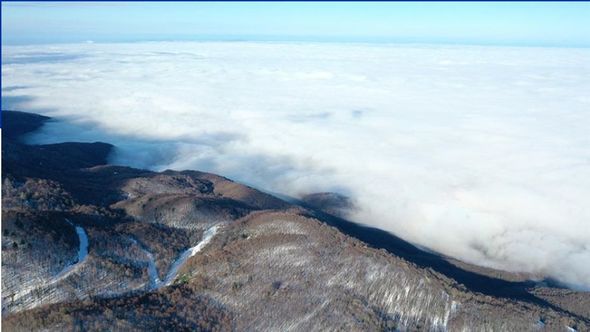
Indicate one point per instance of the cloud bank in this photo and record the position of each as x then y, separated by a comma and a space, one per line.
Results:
481, 153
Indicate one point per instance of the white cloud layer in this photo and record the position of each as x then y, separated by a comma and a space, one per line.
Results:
482, 153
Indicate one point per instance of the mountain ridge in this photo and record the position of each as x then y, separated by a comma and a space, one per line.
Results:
166, 213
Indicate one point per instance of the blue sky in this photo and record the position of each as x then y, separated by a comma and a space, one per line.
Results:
559, 23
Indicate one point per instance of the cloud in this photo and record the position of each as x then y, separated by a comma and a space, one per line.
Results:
481, 153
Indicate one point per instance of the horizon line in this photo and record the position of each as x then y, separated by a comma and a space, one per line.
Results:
294, 39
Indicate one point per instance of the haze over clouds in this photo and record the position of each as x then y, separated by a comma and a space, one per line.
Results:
481, 153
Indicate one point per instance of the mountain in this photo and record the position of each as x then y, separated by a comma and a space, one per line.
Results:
92, 246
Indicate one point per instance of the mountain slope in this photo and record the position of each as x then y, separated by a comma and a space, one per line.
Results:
270, 264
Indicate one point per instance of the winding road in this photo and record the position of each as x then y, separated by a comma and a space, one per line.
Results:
66, 271
155, 282
152, 269
207, 236
82, 252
